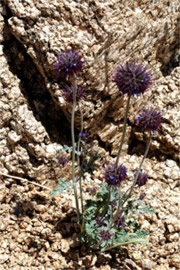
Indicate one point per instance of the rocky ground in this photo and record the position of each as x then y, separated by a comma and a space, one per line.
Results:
37, 231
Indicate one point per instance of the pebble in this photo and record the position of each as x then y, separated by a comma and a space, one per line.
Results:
64, 245
174, 260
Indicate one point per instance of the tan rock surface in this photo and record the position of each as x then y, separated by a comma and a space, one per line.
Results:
107, 33
35, 230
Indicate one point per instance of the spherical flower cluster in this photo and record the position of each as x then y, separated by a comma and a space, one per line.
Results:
142, 179
115, 174
68, 93
149, 120
105, 235
132, 79
69, 63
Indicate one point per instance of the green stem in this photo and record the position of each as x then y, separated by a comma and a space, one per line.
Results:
119, 202
106, 205
124, 130
139, 170
81, 194
73, 150
78, 149
111, 214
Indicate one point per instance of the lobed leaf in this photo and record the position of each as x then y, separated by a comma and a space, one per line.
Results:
62, 186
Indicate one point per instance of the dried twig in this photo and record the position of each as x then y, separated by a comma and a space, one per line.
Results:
25, 180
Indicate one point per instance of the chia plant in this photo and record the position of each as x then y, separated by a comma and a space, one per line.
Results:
110, 218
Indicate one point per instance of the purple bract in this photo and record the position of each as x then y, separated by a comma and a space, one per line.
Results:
84, 135
68, 93
142, 179
142, 196
132, 79
100, 221
115, 174
119, 221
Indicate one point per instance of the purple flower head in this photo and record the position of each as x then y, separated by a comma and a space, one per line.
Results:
100, 221
115, 174
132, 79
149, 120
68, 93
69, 63
105, 235
142, 178
62, 160
119, 221
84, 135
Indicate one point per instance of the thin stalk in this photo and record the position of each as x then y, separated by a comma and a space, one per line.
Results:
124, 130
109, 198
78, 149
73, 150
139, 170
107, 203
111, 213
25, 180
81, 194
119, 201
83, 224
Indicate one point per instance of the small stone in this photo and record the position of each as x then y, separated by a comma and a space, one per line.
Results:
15, 234
51, 150
3, 226
174, 260
162, 267
64, 245
4, 244
174, 237
132, 264
173, 224
105, 267
90, 260
147, 264
3, 193
4, 258
12, 245
145, 225
13, 137
136, 255
55, 246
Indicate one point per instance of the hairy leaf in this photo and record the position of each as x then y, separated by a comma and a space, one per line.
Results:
147, 210
62, 186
